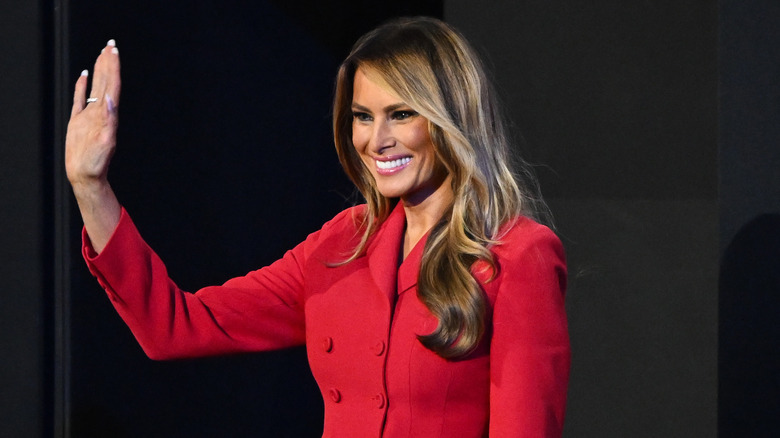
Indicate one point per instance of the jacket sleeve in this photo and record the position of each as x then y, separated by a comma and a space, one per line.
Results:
530, 354
260, 311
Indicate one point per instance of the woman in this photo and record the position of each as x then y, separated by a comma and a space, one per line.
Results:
434, 310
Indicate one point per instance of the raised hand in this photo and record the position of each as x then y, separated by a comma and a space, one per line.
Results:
91, 137
90, 144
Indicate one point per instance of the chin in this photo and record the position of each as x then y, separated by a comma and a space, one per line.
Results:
391, 190
392, 193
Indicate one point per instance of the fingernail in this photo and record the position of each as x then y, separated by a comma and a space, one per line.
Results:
111, 42
109, 103
114, 50
102, 50
84, 73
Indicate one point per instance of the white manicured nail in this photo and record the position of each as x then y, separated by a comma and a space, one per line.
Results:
111, 42
84, 73
114, 50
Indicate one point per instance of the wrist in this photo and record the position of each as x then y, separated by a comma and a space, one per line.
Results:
100, 210
89, 188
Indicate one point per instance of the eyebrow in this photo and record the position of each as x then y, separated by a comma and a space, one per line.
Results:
387, 109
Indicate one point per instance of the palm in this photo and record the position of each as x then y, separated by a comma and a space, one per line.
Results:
91, 136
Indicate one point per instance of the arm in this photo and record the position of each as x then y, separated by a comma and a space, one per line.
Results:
530, 354
260, 311
90, 143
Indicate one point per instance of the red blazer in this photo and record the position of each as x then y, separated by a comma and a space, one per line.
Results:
360, 323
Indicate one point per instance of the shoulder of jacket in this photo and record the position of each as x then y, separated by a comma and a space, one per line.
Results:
527, 251
525, 232
348, 219
526, 243
336, 236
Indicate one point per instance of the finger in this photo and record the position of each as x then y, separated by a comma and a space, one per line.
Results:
111, 115
113, 70
79, 94
98, 81
107, 80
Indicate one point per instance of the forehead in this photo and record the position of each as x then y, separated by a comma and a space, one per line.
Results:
368, 86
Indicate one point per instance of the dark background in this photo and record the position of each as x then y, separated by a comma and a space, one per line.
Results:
655, 127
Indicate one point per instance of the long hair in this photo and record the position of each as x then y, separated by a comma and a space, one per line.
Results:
434, 70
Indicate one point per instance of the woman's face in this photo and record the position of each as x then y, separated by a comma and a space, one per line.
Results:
394, 143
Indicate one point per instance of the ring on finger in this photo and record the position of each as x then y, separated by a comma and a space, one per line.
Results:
92, 99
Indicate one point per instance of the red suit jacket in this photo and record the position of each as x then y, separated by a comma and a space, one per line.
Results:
360, 323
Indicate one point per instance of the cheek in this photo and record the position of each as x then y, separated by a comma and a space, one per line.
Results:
359, 138
420, 141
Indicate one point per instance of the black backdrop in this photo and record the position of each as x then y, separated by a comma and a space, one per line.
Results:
656, 123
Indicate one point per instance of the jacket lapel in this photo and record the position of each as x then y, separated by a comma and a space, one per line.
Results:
384, 250
409, 271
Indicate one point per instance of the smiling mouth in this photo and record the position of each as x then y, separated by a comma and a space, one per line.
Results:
393, 164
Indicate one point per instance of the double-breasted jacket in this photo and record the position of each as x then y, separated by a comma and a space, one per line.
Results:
360, 322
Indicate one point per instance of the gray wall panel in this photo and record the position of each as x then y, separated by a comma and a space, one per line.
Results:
617, 102
642, 304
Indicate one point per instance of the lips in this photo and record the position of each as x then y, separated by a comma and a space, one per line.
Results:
391, 166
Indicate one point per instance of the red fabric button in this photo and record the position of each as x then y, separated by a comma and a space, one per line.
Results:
335, 395
327, 344
378, 348
380, 400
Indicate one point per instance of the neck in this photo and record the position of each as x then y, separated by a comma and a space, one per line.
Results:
423, 215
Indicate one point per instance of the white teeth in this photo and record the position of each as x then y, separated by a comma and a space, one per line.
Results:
392, 164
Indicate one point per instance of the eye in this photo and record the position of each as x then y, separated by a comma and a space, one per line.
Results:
361, 116
403, 114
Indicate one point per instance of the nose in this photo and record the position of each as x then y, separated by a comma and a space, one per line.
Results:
381, 137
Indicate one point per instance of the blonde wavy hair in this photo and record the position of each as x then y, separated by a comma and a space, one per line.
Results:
432, 68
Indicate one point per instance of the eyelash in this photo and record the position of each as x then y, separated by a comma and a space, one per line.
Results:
361, 117
396, 115
404, 114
